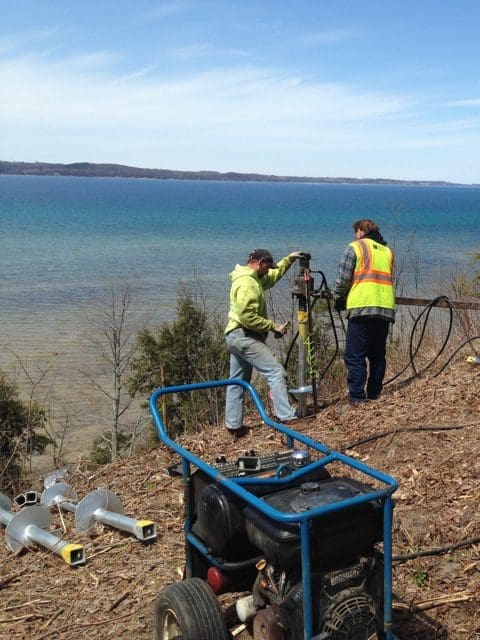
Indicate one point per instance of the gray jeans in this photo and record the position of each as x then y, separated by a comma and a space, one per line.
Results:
247, 353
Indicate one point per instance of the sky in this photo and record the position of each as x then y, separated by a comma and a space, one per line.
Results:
334, 88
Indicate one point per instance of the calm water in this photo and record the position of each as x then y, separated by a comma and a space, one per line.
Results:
65, 240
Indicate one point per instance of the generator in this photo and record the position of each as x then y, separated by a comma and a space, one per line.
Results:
300, 538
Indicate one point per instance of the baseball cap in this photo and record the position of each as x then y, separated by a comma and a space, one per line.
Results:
262, 254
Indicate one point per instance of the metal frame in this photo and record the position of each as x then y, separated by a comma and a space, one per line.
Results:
239, 487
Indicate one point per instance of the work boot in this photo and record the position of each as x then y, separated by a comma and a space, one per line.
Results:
291, 420
238, 433
354, 402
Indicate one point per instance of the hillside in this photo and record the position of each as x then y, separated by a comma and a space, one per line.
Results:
90, 169
426, 435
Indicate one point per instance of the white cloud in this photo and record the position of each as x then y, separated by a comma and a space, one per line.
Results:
78, 92
238, 118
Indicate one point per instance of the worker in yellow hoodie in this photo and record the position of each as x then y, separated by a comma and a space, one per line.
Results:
246, 334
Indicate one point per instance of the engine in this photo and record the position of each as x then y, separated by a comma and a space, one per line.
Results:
264, 556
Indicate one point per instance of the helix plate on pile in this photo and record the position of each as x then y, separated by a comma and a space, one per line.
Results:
58, 493
17, 529
100, 499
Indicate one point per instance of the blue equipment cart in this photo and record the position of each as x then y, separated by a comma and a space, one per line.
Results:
311, 547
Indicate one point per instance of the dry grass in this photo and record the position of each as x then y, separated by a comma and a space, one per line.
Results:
436, 506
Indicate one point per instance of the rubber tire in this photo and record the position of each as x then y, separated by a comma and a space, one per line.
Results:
195, 607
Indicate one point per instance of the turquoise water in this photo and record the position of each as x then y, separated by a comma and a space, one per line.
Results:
65, 241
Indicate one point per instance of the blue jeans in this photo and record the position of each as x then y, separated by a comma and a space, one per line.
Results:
366, 341
246, 353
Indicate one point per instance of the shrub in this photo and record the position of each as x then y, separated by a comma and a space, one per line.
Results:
19, 433
101, 452
190, 349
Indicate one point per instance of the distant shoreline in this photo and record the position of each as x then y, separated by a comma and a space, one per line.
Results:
92, 170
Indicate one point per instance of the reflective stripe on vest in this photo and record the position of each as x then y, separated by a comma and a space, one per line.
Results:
372, 284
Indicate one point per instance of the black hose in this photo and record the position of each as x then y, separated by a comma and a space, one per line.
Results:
465, 342
413, 352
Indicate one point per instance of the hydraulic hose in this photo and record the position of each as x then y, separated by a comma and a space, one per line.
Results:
460, 346
414, 351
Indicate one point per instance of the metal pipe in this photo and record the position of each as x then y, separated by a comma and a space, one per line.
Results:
141, 529
302, 290
387, 567
306, 580
72, 554
188, 509
301, 400
29, 526
104, 506
100, 505
26, 499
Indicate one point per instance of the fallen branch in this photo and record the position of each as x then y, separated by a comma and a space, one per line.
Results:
124, 595
53, 617
462, 596
436, 551
10, 578
29, 616
393, 432
147, 478
109, 548
26, 604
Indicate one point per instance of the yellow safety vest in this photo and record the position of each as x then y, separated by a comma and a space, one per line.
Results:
372, 284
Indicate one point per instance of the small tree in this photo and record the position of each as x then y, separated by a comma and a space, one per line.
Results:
113, 337
20, 424
467, 285
191, 349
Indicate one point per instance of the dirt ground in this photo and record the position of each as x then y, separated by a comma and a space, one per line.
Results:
426, 435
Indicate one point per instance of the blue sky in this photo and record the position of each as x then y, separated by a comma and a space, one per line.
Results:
355, 88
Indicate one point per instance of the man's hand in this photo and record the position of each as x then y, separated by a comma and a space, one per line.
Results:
299, 254
340, 303
281, 329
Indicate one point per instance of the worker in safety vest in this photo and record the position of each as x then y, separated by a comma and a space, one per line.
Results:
364, 287
246, 334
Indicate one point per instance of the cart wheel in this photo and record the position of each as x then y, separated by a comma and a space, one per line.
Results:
189, 610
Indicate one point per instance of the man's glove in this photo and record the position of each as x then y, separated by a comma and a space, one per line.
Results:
340, 304
281, 329
299, 254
